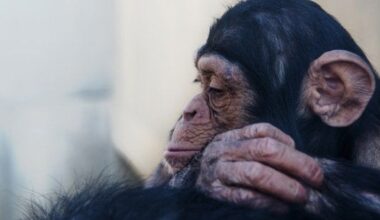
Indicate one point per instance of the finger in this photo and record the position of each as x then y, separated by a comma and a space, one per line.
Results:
262, 178
242, 196
279, 156
256, 131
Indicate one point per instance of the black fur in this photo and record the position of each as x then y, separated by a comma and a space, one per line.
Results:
349, 192
100, 201
96, 200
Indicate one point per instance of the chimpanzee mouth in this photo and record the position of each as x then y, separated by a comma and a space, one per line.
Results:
181, 150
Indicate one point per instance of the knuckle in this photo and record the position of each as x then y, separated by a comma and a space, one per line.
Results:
264, 128
255, 172
291, 141
270, 130
265, 142
254, 130
259, 130
266, 148
265, 178
247, 132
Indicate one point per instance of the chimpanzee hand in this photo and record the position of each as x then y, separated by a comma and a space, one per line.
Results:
257, 165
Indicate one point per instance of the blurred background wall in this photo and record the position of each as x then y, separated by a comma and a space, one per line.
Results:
89, 86
57, 68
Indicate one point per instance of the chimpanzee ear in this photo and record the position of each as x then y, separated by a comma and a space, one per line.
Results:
338, 87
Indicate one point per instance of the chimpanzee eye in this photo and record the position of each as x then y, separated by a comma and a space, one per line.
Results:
196, 80
215, 91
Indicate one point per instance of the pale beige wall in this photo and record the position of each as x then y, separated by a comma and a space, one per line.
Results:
362, 19
158, 41
56, 75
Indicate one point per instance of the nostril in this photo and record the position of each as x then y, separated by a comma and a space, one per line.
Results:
188, 116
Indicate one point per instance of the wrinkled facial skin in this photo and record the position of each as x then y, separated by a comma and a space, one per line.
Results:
221, 106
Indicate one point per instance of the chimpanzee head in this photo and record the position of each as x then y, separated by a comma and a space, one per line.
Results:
285, 62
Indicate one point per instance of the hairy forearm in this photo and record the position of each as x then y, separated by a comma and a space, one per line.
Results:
348, 192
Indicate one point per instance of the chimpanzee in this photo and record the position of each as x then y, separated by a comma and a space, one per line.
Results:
286, 126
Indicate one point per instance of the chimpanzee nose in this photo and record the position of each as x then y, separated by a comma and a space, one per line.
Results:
188, 116
197, 111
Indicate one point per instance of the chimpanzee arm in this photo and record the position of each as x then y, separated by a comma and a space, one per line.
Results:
348, 192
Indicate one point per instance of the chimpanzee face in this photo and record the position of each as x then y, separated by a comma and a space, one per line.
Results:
219, 107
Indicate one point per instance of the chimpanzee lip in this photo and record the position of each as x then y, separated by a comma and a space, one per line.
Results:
182, 147
181, 150
179, 154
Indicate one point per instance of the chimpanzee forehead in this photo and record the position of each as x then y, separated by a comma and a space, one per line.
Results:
216, 64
